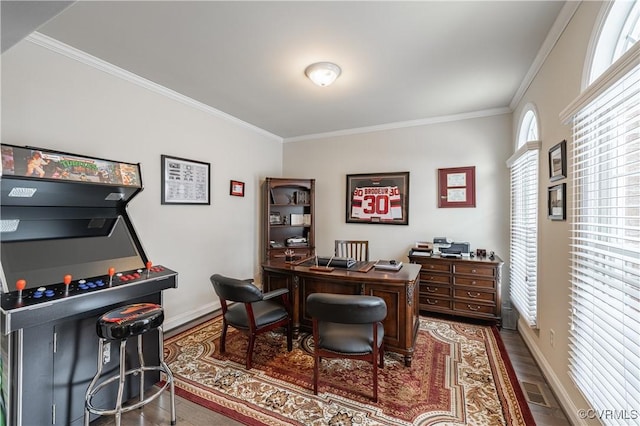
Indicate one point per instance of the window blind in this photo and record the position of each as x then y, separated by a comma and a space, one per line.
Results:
524, 232
604, 336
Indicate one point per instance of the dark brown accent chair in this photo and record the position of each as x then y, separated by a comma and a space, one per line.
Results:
347, 326
253, 312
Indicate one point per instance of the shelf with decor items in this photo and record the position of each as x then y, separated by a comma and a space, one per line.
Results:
464, 287
288, 226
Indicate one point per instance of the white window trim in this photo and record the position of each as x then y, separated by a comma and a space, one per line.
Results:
529, 146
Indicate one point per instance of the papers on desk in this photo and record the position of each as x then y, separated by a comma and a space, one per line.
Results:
388, 265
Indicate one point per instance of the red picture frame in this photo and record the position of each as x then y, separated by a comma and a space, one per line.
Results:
457, 187
236, 188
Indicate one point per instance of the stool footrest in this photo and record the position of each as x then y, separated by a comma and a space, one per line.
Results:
127, 407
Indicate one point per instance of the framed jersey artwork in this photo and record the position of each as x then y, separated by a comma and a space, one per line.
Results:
381, 198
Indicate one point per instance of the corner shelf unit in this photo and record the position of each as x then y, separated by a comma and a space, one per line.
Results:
288, 221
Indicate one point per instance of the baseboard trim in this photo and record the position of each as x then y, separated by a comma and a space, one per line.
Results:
567, 405
186, 317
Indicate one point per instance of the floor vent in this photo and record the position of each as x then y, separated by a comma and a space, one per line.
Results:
534, 394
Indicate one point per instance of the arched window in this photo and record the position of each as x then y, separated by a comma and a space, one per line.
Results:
523, 290
528, 127
604, 355
620, 31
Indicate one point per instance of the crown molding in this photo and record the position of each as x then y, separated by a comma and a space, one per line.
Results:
561, 22
402, 124
83, 57
94, 62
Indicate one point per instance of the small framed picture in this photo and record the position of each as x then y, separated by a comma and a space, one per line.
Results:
558, 161
275, 218
236, 188
557, 202
457, 187
185, 181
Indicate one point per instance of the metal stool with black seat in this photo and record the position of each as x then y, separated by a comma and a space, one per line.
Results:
119, 325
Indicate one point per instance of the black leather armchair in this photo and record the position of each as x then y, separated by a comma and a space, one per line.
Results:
254, 312
347, 326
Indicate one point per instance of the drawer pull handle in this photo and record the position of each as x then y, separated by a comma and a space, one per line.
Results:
433, 290
432, 302
472, 294
474, 282
474, 271
473, 308
431, 266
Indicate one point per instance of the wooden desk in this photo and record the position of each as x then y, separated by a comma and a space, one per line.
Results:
398, 289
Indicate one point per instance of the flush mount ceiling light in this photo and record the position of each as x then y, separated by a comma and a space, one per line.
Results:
323, 73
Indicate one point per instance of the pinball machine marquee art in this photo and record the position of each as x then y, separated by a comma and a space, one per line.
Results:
378, 198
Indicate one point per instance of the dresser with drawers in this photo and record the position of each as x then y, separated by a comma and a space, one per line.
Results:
468, 287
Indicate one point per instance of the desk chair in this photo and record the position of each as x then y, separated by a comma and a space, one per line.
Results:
347, 326
254, 313
359, 250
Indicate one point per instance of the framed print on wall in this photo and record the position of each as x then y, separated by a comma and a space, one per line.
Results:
558, 161
378, 198
557, 202
236, 188
185, 181
457, 187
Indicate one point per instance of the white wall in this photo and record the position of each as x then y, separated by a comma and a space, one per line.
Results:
481, 142
52, 101
556, 85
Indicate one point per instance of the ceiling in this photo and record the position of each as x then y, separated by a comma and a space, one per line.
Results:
401, 62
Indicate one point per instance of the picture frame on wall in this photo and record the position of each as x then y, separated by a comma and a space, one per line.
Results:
236, 188
185, 181
457, 187
557, 202
380, 198
558, 161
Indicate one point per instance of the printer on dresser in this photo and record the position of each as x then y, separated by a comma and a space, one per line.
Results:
466, 287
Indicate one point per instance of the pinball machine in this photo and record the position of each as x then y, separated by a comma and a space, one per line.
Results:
69, 253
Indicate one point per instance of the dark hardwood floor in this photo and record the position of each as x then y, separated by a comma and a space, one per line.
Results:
528, 372
546, 410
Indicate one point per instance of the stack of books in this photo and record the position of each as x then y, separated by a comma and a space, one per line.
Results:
388, 265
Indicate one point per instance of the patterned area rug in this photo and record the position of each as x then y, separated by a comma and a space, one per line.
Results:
460, 375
